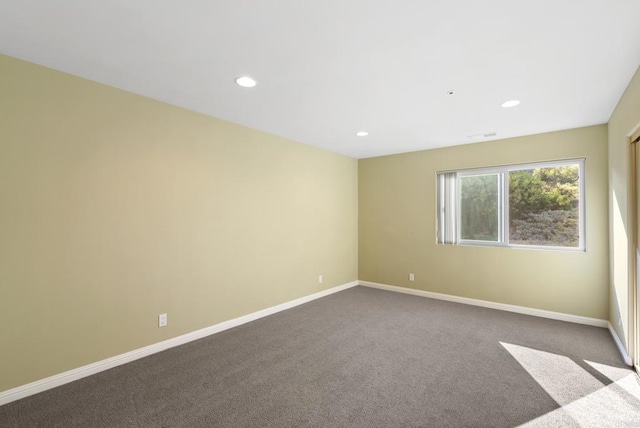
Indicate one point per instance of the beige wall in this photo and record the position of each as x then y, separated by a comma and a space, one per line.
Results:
397, 228
625, 118
116, 208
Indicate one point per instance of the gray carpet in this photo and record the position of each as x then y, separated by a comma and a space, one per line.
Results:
358, 358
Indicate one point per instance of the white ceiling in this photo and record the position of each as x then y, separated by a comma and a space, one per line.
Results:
328, 68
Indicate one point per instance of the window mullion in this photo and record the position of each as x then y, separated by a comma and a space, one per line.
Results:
458, 215
505, 207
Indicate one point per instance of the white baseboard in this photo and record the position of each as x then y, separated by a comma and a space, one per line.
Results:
42, 385
492, 305
621, 348
69, 376
510, 308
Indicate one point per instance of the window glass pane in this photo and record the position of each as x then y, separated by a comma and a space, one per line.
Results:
479, 202
544, 206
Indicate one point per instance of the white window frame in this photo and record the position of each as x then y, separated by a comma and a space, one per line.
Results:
503, 204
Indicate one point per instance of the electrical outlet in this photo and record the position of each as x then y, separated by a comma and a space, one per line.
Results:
319, 279
411, 277
162, 320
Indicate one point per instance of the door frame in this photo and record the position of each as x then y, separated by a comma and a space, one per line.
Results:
634, 294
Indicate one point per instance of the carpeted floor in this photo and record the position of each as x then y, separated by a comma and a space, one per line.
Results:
360, 358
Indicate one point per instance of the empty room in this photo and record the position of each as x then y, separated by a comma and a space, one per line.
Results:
319, 214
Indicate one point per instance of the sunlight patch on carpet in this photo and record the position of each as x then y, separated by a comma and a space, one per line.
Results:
584, 400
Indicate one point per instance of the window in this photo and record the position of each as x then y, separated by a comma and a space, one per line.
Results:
480, 207
538, 205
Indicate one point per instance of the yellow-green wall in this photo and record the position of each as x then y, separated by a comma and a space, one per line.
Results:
625, 118
116, 208
397, 228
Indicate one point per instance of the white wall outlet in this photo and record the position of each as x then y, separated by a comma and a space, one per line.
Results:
319, 279
162, 320
412, 277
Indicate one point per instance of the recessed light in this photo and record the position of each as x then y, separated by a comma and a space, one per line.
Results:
511, 103
362, 133
246, 82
